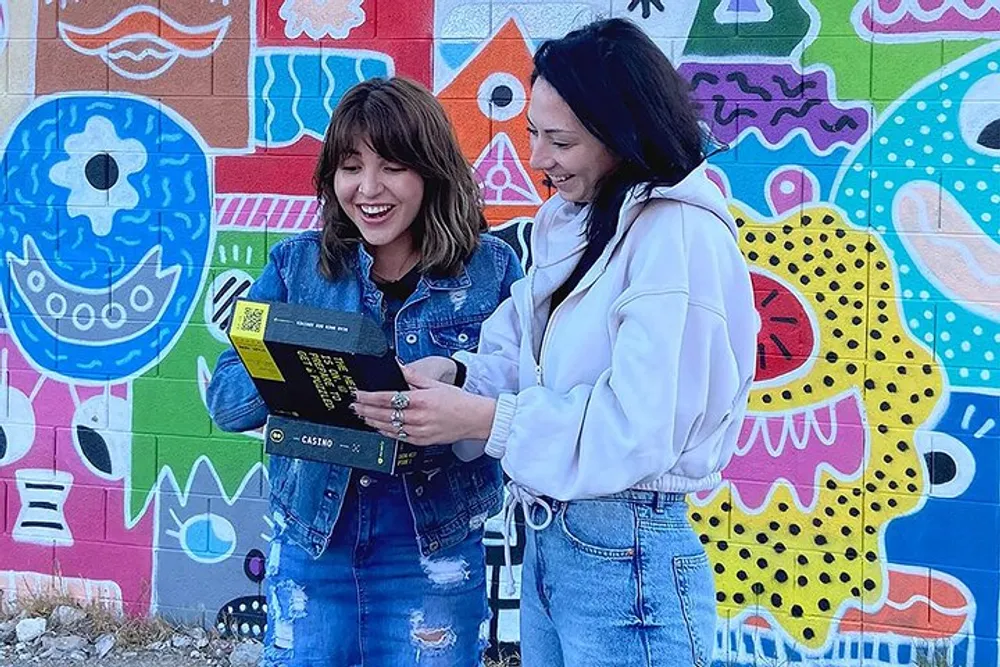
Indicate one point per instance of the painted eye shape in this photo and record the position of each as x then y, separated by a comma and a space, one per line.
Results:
102, 435
979, 117
206, 538
17, 425
786, 335
501, 96
951, 467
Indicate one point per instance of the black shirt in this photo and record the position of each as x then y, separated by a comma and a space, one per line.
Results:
394, 295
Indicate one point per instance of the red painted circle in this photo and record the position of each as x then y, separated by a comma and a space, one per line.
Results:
786, 337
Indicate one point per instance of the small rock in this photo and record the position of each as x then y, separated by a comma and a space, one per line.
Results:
104, 644
66, 616
156, 646
199, 636
78, 656
30, 629
246, 654
180, 641
7, 631
194, 654
129, 654
65, 644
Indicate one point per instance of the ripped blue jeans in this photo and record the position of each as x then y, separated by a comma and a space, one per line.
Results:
371, 599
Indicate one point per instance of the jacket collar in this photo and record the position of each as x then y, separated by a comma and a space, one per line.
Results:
434, 282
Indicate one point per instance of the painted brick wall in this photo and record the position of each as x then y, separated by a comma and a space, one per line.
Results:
153, 153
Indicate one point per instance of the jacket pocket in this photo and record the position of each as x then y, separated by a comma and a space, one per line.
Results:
456, 337
605, 529
696, 593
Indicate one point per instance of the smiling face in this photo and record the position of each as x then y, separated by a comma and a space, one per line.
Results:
573, 159
381, 197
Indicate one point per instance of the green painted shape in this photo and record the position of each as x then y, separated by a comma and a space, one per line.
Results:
894, 67
167, 402
776, 38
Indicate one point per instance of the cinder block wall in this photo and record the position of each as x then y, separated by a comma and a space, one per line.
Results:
153, 153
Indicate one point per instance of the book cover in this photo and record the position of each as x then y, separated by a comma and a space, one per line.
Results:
305, 362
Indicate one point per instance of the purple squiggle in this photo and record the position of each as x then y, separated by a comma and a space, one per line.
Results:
775, 99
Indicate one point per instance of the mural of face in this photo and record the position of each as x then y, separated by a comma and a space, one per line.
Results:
828, 455
487, 101
930, 177
192, 55
211, 551
65, 455
107, 232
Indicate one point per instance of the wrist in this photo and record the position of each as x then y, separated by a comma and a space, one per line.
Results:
483, 411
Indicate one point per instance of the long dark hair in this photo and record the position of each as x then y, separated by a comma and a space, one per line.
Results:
407, 125
627, 94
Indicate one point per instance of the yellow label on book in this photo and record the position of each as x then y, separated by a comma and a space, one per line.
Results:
247, 334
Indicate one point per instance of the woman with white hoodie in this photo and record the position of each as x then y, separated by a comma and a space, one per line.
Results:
614, 380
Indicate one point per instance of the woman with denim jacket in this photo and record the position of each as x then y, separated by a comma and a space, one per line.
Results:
614, 380
368, 568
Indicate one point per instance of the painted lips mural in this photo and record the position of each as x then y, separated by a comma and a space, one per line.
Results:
194, 56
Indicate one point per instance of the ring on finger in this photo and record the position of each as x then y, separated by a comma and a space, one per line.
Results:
397, 419
400, 400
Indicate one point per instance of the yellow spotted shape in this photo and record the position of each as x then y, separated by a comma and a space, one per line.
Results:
803, 566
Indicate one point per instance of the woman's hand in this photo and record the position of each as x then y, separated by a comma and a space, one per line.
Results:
441, 369
436, 413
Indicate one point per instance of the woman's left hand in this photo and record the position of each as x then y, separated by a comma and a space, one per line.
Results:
436, 413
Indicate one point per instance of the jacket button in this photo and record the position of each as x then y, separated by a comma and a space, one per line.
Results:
433, 546
419, 491
411, 338
463, 337
365, 481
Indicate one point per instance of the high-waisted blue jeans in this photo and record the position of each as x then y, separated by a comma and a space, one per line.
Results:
620, 581
371, 599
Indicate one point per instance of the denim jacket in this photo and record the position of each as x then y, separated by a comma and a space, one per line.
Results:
442, 316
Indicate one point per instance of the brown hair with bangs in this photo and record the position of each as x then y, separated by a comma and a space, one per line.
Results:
404, 124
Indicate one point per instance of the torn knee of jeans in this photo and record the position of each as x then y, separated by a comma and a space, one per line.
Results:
430, 638
287, 604
445, 571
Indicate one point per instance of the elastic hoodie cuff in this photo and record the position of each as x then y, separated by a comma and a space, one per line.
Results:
496, 445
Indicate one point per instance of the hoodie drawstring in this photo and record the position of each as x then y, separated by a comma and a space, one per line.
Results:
519, 495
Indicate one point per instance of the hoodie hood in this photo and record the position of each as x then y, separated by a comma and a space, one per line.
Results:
696, 189
558, 232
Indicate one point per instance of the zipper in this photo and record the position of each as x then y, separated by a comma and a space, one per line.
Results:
545, 338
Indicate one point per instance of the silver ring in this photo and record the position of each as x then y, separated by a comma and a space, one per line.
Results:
401, 435
397, 419
400, 400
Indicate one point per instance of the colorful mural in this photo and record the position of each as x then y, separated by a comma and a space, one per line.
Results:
153, 153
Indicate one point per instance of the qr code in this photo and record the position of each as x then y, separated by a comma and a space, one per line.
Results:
252, 320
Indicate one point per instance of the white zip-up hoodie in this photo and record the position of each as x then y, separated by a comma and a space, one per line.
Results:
642, 376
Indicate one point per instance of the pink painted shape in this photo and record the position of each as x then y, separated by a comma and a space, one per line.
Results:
292, 221
242, 216
950, 21
797, 465
502, 175
720, 181
959, 255
94, 507
789, 189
